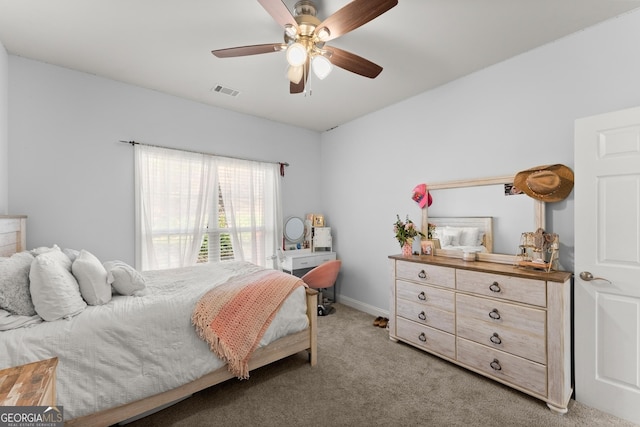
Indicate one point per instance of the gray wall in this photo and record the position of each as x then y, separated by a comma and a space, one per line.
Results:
73, 178
506, 118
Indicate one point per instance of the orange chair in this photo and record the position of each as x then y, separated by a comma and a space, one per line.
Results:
322, 277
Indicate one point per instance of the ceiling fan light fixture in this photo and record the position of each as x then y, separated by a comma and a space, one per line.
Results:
290, 30
323, 34
296, 54
321, 66
294, 73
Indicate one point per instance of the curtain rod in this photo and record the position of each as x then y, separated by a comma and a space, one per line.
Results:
200, 152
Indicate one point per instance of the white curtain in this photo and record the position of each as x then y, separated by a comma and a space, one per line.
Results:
181, 195
251, 196
173, 191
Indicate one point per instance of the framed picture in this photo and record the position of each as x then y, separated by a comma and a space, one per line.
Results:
318, 221
427, 247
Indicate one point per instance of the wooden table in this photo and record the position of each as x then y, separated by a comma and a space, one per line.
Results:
33, 384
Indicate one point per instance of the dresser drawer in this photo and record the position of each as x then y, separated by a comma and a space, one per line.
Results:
425, 273
497, 364
309, 260
427, 315
426, 295
507, 327
528, 291
427, 338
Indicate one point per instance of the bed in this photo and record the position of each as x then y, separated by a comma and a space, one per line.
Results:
467, 234
140, 352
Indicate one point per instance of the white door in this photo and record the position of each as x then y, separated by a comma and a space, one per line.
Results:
607, 248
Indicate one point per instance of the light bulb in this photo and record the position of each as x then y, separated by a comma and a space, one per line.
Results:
296, 54
321, 66
323, 34
290, 30
295, 73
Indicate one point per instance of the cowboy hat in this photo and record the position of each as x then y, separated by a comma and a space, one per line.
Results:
549, 183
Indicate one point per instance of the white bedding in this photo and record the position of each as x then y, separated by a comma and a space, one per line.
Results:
136, 346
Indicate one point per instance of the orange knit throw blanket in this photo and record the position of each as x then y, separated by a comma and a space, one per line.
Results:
233, 317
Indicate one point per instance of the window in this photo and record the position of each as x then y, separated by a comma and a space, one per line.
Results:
198, 208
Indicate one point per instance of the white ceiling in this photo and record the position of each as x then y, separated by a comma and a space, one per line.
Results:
165, 45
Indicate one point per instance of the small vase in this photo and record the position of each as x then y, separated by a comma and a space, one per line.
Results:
407, 248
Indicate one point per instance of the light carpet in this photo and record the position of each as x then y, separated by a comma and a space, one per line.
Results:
365, 379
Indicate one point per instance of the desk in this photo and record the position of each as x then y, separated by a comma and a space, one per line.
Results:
297, 262
301, 261
33, 384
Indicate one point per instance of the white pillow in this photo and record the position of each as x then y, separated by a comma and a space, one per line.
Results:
451, 235
445, 240
469, 236
71, 253
43, 249
125, 279
14, 284
92, 278
54, 290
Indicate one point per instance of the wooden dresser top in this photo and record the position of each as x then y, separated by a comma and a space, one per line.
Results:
487, 267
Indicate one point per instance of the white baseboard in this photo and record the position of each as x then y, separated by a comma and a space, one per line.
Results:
366, 308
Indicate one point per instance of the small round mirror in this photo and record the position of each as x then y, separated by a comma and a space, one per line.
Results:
294, 229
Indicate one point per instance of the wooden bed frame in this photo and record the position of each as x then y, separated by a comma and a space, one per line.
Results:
485, 224
13, 239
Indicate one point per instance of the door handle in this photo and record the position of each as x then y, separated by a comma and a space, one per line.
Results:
587, 277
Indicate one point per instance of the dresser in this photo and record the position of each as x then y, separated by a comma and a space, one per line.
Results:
507, 323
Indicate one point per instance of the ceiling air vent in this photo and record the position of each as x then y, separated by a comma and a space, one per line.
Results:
226, 90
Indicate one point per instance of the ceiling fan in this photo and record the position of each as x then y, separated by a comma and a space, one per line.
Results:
305, 37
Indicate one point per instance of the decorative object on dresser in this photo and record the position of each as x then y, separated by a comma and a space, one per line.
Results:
508, 324
538, 250
485, 197
405, 232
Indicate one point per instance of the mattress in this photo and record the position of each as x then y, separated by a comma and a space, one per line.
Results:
137, 346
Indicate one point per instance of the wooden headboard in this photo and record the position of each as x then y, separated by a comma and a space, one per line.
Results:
484, 224
13, 234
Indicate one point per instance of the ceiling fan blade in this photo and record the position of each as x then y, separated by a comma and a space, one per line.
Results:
354, 63
299, 87
255, 49
354, 15
279, 11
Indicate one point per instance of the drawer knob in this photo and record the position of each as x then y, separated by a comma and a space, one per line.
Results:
422, 274
422, 316
495, 338
494, 314
422, 296
495, 287
495, 365
422, 337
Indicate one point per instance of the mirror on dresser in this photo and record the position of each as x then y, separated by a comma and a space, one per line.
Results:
512, 214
